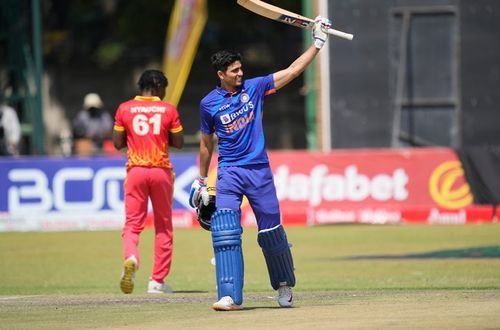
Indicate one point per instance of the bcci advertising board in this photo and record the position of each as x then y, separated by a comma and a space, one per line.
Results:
369, 186
77, 193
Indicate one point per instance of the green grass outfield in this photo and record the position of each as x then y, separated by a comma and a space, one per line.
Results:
69, 280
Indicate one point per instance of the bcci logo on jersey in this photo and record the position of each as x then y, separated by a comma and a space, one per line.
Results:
244, 97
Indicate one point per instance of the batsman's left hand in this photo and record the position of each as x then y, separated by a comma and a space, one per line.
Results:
198, 188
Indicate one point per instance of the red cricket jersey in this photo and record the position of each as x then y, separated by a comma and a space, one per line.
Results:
147, 122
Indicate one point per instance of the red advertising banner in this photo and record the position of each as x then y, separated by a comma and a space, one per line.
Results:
424, 185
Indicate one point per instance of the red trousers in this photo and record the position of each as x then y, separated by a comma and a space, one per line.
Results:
156, 183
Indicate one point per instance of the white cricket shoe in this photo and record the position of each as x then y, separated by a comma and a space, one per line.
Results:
128, 275
157, 287
285, 296
226, 303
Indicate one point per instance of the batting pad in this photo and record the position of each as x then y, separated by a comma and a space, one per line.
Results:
226, 239
278, 256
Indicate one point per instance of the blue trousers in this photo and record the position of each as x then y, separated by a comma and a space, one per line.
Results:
257, 184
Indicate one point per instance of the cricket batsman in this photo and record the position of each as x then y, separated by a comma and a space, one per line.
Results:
233, 111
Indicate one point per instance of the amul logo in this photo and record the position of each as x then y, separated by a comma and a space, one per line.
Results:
448, 187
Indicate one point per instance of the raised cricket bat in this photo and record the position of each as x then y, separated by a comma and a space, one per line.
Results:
285, 16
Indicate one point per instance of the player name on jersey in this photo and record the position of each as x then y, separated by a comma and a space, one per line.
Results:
150, 109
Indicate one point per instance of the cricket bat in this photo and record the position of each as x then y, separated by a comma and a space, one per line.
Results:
285, 16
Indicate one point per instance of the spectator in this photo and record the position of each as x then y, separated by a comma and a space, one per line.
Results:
10, 131
92, 126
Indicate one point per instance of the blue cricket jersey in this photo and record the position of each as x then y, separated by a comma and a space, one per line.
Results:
236, 119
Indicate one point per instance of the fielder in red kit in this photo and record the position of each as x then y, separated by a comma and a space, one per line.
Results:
147, 126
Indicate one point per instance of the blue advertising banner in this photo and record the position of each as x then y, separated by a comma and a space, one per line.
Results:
41, 193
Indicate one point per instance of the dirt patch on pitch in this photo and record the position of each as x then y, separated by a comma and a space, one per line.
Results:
420, 309
134, 299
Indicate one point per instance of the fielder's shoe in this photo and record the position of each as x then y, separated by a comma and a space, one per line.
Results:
226, 303
285, 296
157, 287
128, 275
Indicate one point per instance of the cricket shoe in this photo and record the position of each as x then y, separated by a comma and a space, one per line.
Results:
226, 303
157, 287
285, 296
128, 275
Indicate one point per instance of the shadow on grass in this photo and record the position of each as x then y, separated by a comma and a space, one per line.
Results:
485, 252
245, 308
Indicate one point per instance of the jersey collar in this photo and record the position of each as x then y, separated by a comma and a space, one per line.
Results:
225, 93
146, 98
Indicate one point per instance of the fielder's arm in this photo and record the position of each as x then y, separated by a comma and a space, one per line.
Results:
283, 77
176, 140
119, 138
206, 149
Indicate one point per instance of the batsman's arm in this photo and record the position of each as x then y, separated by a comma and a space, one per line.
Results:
206, 149
283, 77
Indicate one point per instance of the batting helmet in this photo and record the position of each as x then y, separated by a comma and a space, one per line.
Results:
204, 213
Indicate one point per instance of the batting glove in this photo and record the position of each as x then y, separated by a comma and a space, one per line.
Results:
319, 34
198, 188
